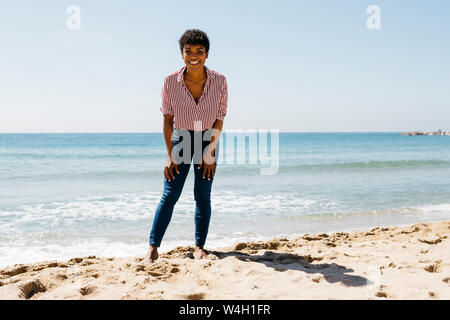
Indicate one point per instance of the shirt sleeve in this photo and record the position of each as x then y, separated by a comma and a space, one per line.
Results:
222, 110
166, 107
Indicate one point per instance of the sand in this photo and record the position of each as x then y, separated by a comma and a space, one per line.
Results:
407, 262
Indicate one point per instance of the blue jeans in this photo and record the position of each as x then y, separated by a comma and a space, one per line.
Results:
173, 189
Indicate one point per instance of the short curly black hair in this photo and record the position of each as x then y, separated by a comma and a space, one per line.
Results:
194, 36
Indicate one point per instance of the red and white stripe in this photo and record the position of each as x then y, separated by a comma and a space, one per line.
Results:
178, 101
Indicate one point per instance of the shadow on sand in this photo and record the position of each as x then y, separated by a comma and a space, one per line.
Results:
286, 261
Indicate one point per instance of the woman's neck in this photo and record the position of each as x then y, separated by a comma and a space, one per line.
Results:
195, 75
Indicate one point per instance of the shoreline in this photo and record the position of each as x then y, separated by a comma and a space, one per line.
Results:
169, 245
308, 224
396, 262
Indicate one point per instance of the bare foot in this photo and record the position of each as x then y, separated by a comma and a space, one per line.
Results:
200, 253
151, 256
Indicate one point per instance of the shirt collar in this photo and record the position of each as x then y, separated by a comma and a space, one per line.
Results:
209, 75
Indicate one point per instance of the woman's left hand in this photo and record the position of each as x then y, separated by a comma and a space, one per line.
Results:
208, 169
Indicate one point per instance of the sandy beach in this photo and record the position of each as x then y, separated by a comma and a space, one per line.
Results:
407, 262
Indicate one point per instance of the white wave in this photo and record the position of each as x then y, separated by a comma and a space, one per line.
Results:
142, 206
435, 208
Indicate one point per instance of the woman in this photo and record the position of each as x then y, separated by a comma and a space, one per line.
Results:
194, 101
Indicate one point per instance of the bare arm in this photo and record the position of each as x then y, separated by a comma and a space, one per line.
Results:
218, 124
168, 131
209, 170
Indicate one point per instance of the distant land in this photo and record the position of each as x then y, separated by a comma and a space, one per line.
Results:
427, 133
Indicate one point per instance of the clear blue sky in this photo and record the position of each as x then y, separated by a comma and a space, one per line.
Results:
290, 65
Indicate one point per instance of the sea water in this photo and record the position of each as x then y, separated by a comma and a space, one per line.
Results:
66, 195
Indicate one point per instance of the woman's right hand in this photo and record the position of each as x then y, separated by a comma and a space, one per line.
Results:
169, 169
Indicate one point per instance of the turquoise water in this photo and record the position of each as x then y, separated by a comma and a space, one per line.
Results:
63, 195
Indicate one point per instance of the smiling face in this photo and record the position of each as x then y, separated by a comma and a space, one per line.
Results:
194, 56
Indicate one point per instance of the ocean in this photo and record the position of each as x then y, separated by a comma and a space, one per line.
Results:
67, 195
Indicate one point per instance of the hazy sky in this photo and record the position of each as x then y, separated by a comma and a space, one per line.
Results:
290, 65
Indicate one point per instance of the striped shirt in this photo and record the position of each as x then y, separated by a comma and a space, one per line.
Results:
178, 101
